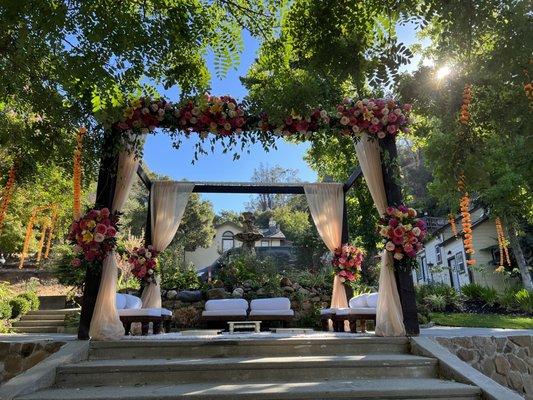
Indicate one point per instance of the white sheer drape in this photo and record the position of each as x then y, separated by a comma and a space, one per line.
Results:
105, 323
389, 316
326, 203
167, 204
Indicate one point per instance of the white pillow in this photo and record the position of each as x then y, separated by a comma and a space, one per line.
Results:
275, 303
133, 302
358, 301
120, 301
226, 304
372, 300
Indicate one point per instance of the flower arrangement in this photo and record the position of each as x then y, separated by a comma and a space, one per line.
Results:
377, 117
143, 116
347, 262
402, 232
93, 236
144, 263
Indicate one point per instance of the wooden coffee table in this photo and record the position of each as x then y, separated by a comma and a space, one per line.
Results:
256, 325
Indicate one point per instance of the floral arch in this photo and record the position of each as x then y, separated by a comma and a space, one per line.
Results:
372, 123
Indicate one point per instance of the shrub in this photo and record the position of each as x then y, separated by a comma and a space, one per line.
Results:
61, 268
477, 292
187, 317
5, 292
435, 302
20, 306
32, 298
438, 289
181, 278
310, 319
524, 300
5, 309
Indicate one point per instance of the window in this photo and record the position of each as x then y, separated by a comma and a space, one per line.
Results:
423, 266
438, 252
265, 243
460, 262
228, 241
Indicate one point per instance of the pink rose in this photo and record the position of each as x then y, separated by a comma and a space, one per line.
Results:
98, 237
76, 262
397, 239
390, 246
392, 128
393, 223
104, 212
392, 117
111, 232
390, 210
93, 214
408, 248
398, 231
101, 229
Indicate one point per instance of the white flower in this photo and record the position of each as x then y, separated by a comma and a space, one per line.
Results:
416, 231
98, 237
154, 107
227, 126
231, 106
193, 120
385, 111
161, 112
323, 113
345, 120
390, 246
356, 129
150, 271
397, 111
398, 256
371, 104
381, 135
232, 113
148, 254
375, 121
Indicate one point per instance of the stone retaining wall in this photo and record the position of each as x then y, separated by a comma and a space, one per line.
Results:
17, 357
507, 360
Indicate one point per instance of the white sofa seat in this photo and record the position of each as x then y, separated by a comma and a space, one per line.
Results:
165, 312
225, 313
358, 301
139, 312
328, 311
274, 303
355, 311
280, 313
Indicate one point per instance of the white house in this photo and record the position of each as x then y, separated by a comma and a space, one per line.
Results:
224, 240
444, 260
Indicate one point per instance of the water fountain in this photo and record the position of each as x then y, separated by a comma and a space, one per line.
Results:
250, 233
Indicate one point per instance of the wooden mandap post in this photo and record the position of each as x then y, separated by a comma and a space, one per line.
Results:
404, 280
105, 192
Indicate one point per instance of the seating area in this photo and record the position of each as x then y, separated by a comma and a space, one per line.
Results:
224, 310
130, 311
361, 308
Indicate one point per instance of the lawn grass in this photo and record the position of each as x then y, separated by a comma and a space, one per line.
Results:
483, 320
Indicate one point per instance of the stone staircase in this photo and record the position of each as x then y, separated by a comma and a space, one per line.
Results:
261, 369
43, 321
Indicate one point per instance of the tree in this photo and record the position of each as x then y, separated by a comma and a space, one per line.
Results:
488, 45
266, 174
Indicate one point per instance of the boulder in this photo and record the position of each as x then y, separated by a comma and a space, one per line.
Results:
172, 294
216, 293
238, 293
285, 282
247, 284
189, 296
288, 289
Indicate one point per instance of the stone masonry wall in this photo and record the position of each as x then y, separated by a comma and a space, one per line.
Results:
507, 360
17, 357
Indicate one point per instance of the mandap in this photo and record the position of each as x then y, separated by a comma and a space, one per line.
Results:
373, 124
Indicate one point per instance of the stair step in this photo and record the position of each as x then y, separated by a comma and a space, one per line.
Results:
398, 389
58, 311
228, 370
38, 329
42, 317
131, 349
30, 323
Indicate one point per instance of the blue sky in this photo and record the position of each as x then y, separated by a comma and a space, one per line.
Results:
162, 158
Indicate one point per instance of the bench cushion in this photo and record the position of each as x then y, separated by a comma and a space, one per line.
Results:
120, 301
224, 313
142, 312
358, 301
226, 304
165, 312
132, 302
327, 311
276, 313
354, 311
275, 303
372, 300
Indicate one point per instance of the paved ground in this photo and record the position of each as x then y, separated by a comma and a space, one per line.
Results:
437, 331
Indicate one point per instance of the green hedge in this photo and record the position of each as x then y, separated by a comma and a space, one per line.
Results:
5, 309
20, 306
32, 298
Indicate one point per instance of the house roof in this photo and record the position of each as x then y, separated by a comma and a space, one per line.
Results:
272, 232
460, 234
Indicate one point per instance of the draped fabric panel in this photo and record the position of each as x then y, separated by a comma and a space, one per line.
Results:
389, 315
105, 323
326, 203
168, 202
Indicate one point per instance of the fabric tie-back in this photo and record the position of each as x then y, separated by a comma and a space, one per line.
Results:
168, 200
389, 315
326, 204
105, 323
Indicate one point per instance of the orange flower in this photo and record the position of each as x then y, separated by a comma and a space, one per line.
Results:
7, 193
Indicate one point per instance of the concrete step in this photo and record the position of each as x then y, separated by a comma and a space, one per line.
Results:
369, 389
30, 323
235, 370
128, 349
38, 329
55, 311
42, 317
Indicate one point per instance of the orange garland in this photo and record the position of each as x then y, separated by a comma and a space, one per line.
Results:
27, 238
466, 222
528, 88
51, 230
76, 179
7, 194
464, 116
502, 244
40, 246
451, 220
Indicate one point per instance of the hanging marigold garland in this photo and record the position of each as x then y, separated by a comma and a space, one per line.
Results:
502, 244
27, 238
464, 116
466, 221
40, 246
7, 193
51, 230
451, 221
76, 180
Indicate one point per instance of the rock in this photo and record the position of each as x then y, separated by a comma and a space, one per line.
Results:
238, 293
487, 366
288, 289
247, 284
163, 293
515, 379
216, 293
285, 282
502, 365
189, 296
218, 284
523, 341
13, 364
172, 294
501, 379
303, 292
517, 363
306, 306
466, 355
296, 286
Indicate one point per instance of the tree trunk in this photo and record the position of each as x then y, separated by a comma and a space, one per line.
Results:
404, 279
520, 259
105, 192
